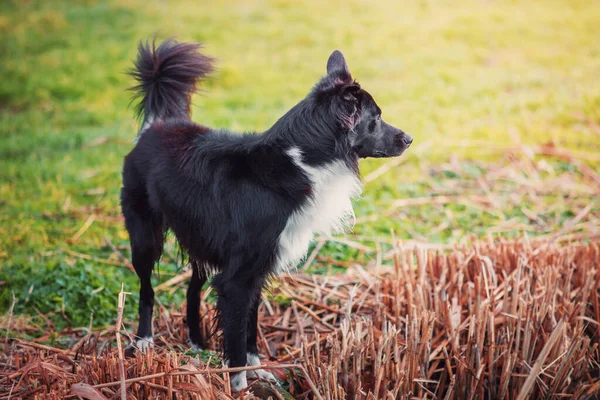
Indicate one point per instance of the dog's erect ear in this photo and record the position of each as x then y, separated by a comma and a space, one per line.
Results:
336, 66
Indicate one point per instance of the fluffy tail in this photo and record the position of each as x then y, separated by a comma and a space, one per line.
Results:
166, 79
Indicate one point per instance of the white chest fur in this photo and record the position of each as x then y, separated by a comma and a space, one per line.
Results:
328, 211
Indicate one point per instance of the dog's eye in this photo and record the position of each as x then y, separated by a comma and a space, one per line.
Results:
378, 118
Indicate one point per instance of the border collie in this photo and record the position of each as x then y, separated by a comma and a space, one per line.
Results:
242, 206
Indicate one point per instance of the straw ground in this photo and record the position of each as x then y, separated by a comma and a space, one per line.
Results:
501, 320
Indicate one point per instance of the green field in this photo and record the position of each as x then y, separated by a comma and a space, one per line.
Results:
471, 81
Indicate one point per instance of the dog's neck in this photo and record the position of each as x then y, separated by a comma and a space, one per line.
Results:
321, 140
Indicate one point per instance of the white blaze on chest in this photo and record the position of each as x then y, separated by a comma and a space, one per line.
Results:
328, 211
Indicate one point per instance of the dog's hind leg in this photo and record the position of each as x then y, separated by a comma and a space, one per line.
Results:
146, 234
236, 296
193, 304
251, 347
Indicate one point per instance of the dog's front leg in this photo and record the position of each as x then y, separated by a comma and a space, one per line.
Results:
236, 296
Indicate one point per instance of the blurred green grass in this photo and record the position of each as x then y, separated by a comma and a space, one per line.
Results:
466, 79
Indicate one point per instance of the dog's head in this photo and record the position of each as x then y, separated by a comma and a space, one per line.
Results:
367, 134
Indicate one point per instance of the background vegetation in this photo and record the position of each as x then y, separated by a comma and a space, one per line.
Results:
478, 84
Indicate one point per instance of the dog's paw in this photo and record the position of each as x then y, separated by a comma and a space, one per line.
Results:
239, 381
258, 373
144, 344
195, 340
195, 347
262, 374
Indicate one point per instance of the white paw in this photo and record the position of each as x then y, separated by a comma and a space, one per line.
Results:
239, 382
194, 346
262, 374
144, 344
191, 344
259, 373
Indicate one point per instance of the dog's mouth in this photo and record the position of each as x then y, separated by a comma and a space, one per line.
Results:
393, 151
385, 154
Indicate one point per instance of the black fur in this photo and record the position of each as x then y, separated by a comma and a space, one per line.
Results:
167, 78
227, 197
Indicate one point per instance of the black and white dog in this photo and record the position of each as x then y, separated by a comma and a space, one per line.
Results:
243, 206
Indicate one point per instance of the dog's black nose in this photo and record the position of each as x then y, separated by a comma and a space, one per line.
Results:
407, 139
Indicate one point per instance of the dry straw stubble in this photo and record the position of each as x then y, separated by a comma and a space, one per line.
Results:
494, 320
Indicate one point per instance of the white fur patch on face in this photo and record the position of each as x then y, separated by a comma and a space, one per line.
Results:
253, 360
145, 344
239, 381
328, 211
